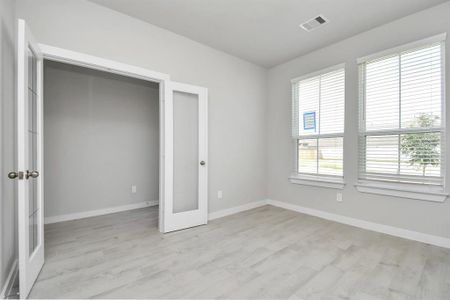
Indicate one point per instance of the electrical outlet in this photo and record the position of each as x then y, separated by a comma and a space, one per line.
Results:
339, 197
133, 189
219, 194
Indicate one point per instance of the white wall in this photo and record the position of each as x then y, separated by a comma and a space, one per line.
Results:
101, 136
7, 128
237, 89
425, 217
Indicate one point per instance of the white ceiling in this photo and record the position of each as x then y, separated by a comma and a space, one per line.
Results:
266, 32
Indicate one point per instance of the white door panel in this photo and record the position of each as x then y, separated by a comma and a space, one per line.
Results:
186, 150
29, 159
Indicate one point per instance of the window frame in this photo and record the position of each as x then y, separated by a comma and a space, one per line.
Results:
316, 179
436, 193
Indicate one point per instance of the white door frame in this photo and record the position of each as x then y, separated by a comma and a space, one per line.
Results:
98, 63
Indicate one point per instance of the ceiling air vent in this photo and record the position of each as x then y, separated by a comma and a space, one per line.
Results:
314, 23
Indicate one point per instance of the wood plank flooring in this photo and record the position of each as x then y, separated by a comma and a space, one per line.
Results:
266, 252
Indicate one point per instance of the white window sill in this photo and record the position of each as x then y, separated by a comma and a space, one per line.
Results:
417, 192
317, 180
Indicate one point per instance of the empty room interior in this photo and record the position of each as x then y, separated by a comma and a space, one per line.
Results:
195, 149
101, 132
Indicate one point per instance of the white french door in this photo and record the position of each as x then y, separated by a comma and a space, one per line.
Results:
186, 156
29, 158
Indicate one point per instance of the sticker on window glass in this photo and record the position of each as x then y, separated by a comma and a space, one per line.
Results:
309, 121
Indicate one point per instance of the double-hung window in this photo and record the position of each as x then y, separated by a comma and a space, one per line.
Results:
318, 124
402, 125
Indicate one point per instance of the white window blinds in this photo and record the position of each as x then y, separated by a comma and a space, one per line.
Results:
318, 122
401, 117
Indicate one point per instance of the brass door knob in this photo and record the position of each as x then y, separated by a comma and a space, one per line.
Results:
32, 174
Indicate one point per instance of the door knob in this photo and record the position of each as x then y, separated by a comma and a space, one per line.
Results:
202, 163
13, 175
32, 174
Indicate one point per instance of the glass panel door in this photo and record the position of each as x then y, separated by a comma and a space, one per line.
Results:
185, 202
29, 159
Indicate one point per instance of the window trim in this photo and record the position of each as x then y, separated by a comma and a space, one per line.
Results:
322, 180
319, 72
401, 189
402, 48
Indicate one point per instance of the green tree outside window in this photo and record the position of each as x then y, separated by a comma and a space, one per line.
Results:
422, 149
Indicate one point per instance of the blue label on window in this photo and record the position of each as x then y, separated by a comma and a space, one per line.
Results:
309, 120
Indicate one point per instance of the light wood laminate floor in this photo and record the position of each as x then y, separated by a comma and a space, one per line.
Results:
266, 252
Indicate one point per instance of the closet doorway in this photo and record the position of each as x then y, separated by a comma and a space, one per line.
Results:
101, 141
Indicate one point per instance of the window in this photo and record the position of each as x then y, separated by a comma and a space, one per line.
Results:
401, 117
318, 122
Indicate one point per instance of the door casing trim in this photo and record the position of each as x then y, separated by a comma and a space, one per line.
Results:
97, 63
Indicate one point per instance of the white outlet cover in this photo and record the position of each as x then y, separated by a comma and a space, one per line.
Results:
220, 194
339, 197
133, 189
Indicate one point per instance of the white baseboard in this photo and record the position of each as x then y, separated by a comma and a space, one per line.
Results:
9, 283
386, 229
99, 212
236, 209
